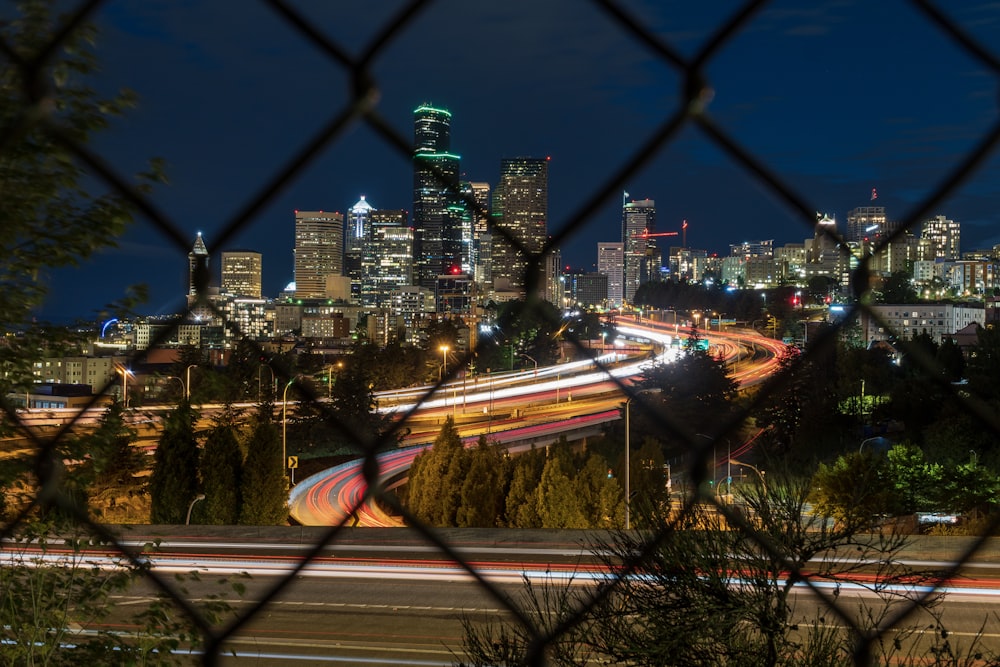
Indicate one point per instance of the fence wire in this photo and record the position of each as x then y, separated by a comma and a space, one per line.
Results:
361, 109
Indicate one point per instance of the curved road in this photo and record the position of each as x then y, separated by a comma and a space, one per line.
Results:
337, 495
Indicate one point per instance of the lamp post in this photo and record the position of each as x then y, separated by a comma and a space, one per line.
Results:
760, 473
284, 425
187, 386
489, 422
200, 496
329, 378
628, 466
444, 362
125, 373
532, 360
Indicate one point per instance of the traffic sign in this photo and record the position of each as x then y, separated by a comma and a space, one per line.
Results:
293, 462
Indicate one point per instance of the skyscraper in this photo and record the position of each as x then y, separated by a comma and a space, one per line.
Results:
436, 196
638, 221
388, 263
611, 263
482, 239
197, 269
865, 222
319, 251
520, 208
241, 273
944, 237
357, 238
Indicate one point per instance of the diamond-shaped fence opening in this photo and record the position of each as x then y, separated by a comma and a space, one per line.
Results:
38, 116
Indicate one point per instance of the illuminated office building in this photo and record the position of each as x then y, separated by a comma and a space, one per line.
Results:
437, 203
520, 209
611, 263
319, 251
941, 238
241, 273
357, 239
638, 222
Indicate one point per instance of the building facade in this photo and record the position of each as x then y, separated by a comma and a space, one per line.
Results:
638, 222
938, 320
942, 239
241, 273
437, 201
319, 251
357, 241
611, 263
520, 211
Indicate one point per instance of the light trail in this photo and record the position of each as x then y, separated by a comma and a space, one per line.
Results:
329, 497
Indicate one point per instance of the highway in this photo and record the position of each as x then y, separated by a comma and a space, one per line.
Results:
390, 596
565, 399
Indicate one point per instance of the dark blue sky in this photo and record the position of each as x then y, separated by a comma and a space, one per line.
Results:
837, 98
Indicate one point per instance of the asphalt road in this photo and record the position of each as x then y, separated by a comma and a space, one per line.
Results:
389, 597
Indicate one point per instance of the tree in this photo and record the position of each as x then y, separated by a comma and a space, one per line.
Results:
484, 488
717, 587
557, 495
692, 393
430, 498
56, 603
174, 482
265, 487
51, 213
855, 489
897, 288
222, 472
111, 462
521, 508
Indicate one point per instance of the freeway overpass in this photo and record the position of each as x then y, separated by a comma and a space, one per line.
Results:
338, 495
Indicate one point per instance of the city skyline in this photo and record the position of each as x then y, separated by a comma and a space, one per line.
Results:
214, 102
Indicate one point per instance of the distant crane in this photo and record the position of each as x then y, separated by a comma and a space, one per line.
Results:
648, 235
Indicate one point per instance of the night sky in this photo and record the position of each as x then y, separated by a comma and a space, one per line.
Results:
837, 98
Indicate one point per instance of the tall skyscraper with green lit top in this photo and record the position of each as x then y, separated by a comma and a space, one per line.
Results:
437, 198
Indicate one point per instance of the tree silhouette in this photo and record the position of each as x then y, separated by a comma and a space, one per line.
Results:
174, 482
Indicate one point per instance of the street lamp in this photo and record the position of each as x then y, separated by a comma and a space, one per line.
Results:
628, 466
444, 362
187, 387
125, 373
628, 462
760, 473
532, 360
329, 378
200, 496
284, 425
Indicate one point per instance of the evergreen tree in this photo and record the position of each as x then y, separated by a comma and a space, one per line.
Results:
484, 488
692, 394
556, 498
430, 501
521, 507
264, 487
601, 499
222, 472
174, 482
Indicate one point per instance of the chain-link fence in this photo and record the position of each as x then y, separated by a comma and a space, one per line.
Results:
692, 111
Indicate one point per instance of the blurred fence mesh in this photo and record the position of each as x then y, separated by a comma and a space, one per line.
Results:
362, 109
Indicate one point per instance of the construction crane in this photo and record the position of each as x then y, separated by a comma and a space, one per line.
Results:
648, 235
